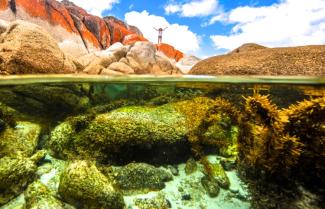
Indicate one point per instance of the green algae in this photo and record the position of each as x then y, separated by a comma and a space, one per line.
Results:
84, 186
37, 195
16, 173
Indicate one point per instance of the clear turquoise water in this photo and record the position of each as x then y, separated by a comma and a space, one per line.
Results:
50, 100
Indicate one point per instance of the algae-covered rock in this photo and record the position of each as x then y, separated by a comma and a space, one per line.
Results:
190, 166
39, 196
22, 138
216, 171
159, 201
15, 174
210, 185
106, 134
84, 186
141, 177
127, 126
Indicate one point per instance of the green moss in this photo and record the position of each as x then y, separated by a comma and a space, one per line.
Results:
84, 186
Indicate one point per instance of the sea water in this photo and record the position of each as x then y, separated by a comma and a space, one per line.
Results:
175, 124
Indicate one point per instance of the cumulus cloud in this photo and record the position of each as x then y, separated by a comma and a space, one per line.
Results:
288, 23
95, 7
193, 8
177, 35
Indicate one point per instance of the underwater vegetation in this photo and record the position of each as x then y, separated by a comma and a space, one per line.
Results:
183, 145
283, 141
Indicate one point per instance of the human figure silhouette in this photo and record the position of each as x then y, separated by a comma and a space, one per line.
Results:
160, 32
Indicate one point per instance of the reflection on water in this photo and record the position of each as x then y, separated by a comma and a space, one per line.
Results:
161, 142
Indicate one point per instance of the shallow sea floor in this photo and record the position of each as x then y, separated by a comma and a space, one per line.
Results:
185, 191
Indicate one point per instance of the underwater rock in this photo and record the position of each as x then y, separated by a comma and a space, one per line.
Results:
84, 186
7, 117
216, 171
28, 49
127, 126
140, 127
45, 100
190, 166
159, 201
38, 195
140, 178
15, 174
228, 163
22, 138
210, 185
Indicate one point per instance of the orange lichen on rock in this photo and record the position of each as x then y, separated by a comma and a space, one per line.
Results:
51, 11
94, 24
170, 51
132, 38
4, 4
117, 28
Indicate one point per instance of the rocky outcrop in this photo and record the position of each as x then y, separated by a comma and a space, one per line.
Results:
258, 60
26, 48
170, 51
187, 62
249, 47
140, 58
77, 31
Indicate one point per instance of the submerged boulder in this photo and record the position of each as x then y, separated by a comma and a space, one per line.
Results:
22, 138
15, 175
104, 135
84, 186
26, 48
38, 195
140, 177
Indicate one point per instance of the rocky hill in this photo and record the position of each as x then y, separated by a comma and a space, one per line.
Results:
83, 39
253, 59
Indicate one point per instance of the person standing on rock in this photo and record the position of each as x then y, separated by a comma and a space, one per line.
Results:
160, 32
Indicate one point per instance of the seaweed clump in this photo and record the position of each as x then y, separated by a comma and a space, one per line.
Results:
306, 121
284, 141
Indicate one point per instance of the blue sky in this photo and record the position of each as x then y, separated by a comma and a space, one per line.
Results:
209, 27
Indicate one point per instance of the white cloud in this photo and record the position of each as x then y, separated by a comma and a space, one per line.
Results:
95, 7
176, 35
193, 8
288, 23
